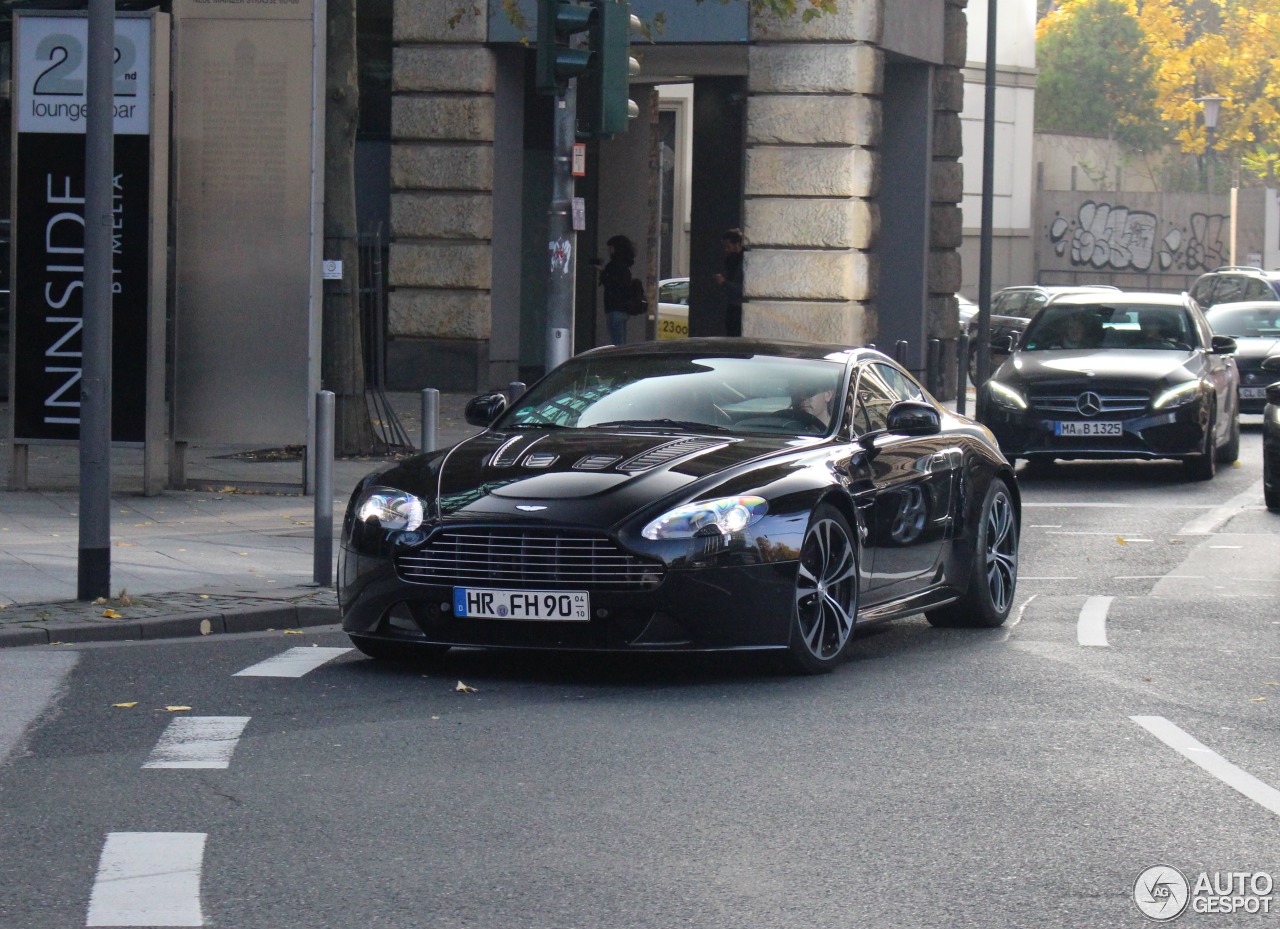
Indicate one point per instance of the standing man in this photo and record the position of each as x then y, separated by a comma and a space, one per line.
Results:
730, 280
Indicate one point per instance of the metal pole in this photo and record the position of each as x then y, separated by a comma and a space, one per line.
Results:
94, 561
962, 371
988, 196
430, 419
900, 352
933, 357
323, 570
515, 389
561, 239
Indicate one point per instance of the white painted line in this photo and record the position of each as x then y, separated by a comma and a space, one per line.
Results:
1022, 609
1262, 794
293, 663
1099, 505
1046, 526
1046, 577
1091, 627
1219, 515
1226, 546
198, 742
1117, 534
1157, 577
148, 879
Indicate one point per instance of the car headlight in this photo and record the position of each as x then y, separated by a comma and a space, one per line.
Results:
393, 509
1176, 396
1005, 396
725, 515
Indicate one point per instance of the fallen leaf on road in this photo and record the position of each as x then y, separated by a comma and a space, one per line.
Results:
1258, 699
464, 688
177, 709
1121, 540
242, 553
204, 596
131, 703
205, 627
126, 545
111, 614
101, 601
293, 632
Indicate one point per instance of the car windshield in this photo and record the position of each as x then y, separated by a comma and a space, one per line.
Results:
1246, 322
1103, 326
738, 394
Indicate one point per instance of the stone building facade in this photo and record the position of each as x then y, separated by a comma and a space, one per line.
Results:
849, 192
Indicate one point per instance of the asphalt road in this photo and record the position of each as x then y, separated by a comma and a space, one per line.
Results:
1024, 776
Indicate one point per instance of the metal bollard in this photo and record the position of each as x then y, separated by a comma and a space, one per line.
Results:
323, 563
514, 389
900, 352
430, 418
962, 371
932, 365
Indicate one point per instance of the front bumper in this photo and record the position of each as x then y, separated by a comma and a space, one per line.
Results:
699, 609
1177, 433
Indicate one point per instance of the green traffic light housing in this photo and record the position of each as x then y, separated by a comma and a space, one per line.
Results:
611, 42
558, 60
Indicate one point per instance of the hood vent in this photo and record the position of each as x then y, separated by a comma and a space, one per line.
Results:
594, 462
506, 454
540, 459
662, 454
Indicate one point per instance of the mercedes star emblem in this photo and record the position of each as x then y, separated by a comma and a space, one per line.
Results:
1089, 403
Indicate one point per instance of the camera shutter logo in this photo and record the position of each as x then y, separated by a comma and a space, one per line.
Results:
1161, 892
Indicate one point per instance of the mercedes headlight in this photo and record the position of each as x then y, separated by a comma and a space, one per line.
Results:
1177, 396
1005, 396
393, 509
724, 516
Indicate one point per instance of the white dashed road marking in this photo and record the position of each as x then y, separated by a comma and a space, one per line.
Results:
1182, 743
1091, 627
148, 879
198, 742
293, 663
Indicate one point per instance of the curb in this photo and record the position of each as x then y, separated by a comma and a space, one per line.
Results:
189, 625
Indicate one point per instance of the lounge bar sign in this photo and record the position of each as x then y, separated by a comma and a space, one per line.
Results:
48, 223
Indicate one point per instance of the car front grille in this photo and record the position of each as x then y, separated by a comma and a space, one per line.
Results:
1063, 400
527, 558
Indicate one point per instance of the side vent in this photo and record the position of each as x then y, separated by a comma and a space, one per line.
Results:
506, 454
540, 460
662, 454
594, 462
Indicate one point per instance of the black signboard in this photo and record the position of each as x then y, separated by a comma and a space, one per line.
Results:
48, 292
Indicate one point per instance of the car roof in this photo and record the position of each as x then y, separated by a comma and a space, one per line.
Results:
1059, 288
733, 345
1251, 270
1125, 298
1238, 305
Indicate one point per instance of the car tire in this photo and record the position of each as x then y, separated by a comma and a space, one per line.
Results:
1204, 466
825, 605
1231, 451
402, 652
993, 576
1271, 497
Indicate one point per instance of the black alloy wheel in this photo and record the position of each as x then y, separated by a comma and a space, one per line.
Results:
826, 593
993, 577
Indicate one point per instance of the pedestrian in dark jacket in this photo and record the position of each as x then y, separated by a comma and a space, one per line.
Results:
730, 281
615, 278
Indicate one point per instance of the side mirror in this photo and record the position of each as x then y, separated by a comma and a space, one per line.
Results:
1271, 363
484, 409
912, 417
1222, 345
1002, 344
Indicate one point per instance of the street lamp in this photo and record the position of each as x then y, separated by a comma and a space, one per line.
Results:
1212, 105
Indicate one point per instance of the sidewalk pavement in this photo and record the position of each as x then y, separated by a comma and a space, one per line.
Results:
183, 562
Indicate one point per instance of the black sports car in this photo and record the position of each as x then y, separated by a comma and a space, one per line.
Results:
1256, 328
698, 494
1127, 375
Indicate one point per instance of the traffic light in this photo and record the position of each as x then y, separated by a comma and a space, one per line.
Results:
558, 60
611, 44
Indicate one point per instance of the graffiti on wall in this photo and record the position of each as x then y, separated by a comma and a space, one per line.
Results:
1111, 237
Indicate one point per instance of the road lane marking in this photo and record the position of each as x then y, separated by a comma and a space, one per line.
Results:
29, 682
1219, 515
148, 879
1091, 627
198, 742
293, 663
1158, 577
1242, 781
1099, 505
1119, 534
1046, 577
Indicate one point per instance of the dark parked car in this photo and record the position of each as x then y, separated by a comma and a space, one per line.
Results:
687, 495
1235, 284
1133, 375
1011, 310
1271, 437
1256, 328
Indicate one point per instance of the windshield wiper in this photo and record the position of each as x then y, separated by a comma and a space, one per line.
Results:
660, 424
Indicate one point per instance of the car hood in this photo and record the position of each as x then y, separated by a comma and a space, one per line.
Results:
594, 477
1141, 365
1251, 350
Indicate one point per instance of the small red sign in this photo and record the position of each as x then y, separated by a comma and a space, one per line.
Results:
579, 159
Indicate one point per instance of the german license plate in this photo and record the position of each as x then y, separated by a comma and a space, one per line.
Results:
1087, 429
555, 605
1253, 393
